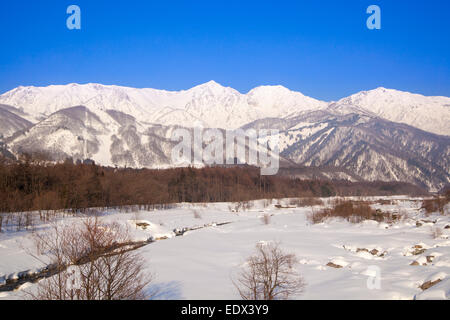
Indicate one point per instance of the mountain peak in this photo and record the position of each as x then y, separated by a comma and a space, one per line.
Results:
212, 88
213, 83
279, 88
210, 84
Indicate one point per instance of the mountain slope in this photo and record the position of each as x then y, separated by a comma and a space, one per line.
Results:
370, 147
115, 139
427, 113
11, 121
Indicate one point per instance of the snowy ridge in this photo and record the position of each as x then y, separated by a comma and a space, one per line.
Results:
427, 113
201, 103
204, 103
367, 146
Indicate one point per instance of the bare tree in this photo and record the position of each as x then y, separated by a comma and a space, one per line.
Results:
91, 261
269, 274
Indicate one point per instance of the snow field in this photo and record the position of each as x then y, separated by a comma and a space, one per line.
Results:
337, 259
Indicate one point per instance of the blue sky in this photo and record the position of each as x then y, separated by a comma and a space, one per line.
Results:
321, 48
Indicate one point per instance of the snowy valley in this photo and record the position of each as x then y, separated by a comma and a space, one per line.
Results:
337, 259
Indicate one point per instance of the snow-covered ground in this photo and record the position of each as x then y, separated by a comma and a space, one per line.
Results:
202, 263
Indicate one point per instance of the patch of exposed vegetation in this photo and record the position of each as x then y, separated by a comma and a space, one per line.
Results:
437, 203
354, 212
306, 202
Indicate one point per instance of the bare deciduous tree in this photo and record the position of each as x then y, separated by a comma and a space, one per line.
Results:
91, 261
269, 275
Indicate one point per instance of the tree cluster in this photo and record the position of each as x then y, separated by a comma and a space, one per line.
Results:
25, 186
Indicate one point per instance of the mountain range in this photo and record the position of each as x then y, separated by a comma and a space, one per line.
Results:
381, 134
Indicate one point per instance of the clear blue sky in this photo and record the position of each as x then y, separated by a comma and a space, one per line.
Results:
321, 48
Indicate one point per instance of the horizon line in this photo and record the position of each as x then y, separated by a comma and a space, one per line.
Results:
213, 82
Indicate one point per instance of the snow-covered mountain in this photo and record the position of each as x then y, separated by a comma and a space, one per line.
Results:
11, 121
427, 113
209, 104
366, 146
372, 135
213, 105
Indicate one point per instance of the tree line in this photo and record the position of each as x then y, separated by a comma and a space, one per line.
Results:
26, 186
